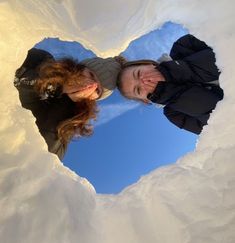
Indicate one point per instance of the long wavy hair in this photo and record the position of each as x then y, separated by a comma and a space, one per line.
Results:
68, 71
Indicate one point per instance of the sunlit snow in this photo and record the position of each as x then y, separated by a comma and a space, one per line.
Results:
192, 201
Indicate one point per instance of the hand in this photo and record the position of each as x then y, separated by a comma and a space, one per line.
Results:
76, 93
151, 77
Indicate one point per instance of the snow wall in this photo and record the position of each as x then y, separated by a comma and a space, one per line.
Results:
42, 201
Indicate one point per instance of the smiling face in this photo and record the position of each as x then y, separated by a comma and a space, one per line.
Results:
94, 82
91, 89
137, 81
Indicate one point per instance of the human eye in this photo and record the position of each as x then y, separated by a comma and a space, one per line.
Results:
136, 74
91, 74
99, 91
138, 90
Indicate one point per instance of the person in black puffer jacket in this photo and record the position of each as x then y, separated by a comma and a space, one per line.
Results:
62, 94
186, 84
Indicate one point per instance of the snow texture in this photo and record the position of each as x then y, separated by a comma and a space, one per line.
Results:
191, 201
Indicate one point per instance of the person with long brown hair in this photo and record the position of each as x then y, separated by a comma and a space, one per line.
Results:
62, 94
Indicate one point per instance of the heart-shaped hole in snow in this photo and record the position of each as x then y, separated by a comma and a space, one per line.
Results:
130, 139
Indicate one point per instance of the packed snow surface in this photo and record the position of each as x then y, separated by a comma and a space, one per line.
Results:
190, 201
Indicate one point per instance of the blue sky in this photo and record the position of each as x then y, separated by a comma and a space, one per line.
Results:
130, 139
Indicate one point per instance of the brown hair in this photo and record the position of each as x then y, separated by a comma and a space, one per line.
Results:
58, 73
79, 125
121, 60
68, 71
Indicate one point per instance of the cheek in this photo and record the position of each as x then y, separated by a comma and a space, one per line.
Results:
144, 93
127, 86
94, 96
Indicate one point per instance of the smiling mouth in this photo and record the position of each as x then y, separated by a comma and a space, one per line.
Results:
98, 90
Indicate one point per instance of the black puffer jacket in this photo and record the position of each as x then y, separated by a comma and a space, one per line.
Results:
189, 92
49, 112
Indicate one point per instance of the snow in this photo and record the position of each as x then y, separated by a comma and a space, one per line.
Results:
42, 201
